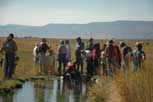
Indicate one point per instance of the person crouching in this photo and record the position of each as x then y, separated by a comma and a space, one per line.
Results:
71, 73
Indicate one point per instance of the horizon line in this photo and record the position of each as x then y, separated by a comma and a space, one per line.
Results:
78, 23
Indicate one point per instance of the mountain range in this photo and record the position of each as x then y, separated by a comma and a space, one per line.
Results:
97, 30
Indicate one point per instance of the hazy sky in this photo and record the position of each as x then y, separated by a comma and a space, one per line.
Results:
41, 12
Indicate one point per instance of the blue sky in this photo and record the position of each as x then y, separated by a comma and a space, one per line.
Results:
41, 12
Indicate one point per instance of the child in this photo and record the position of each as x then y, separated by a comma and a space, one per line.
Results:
51, 62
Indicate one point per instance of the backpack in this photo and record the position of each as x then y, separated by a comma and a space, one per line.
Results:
126, 50
43, 48
138, 56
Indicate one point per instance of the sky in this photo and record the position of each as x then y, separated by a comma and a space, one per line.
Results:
42, 12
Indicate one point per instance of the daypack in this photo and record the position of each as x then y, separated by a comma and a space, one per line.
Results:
43, 48
126, 50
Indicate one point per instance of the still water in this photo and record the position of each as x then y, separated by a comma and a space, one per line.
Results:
48, 91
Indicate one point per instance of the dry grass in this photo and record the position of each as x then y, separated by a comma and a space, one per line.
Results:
105, 91
128, 87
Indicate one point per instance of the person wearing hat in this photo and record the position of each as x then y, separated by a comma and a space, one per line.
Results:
9, 47
42, 50
61, 57
126, 50
138, 56
79, 58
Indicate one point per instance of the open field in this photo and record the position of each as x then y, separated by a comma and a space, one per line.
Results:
130, 87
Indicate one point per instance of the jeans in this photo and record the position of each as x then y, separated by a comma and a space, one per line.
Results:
61, 61
9, 65
79, 63
90, 68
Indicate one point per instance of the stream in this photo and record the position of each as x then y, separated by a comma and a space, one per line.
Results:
48, 91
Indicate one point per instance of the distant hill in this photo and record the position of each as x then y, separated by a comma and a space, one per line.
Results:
100, 30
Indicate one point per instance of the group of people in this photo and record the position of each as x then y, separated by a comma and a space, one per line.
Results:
107, 60
97, 61
44, 56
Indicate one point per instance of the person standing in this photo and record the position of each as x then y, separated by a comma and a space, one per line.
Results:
103, 61
68, 51
126, 50
79, 58
118, 58
110, 57
42, 50
9, 47
87, 54
138, 56
61, 57
96, 53
50, 58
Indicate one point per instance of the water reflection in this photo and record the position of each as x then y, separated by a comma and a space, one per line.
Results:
26, 94
48, 91
39, 95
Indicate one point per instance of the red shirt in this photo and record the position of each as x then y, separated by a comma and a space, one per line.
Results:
118, 53
110, 51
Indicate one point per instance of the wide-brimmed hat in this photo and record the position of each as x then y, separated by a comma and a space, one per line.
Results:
122, 43
61, 41
138, 45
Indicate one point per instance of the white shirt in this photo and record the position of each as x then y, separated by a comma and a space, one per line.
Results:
35, 51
